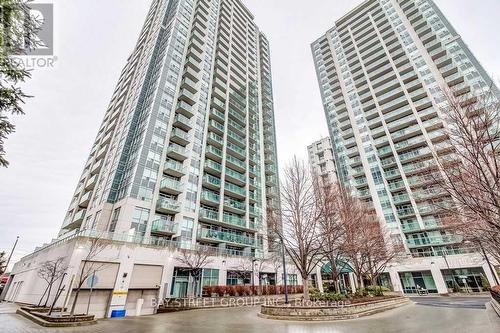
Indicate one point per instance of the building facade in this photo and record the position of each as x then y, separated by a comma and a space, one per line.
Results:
382, 70
322, 160
184, 160
186, 150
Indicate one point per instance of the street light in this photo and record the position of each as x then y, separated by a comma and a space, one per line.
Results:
253, 275
284, 269
11, 252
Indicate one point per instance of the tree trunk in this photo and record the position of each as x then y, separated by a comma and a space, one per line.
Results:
305, 285
73, 306
48, 293
82, 280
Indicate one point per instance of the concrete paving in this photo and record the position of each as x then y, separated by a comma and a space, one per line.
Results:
427, 314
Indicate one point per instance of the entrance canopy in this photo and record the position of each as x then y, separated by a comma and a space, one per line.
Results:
342, 267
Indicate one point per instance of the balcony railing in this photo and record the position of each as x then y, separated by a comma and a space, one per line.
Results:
226, 237
162, 226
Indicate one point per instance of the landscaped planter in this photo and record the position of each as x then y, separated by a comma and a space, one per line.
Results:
329, 310
39, 316
495, 299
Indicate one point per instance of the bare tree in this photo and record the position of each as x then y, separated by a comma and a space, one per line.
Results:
50, 271
471, 175
89, 266
355, 219
299, 215
331, 228
195, 261
378, 250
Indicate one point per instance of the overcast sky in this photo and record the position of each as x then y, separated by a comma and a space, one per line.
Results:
92, 41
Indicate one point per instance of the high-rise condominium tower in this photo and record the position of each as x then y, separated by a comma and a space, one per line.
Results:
322, 161
186, 150
382, 69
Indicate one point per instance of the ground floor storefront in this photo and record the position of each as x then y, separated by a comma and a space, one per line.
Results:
133, 279
426, 314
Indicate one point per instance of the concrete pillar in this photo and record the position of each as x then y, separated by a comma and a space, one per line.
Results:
489, 275
120, 291
395, 281
438, 279
319, 279
352, 282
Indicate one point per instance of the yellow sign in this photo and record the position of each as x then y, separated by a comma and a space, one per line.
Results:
120, 292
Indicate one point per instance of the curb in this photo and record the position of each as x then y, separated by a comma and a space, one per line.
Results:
45, 323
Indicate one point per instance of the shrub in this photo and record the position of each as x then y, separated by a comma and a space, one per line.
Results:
361, 292
376, 290
231, 290
241, 290
220, 290
485, 283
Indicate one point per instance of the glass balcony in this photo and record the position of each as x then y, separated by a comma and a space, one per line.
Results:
434, 240
234, 220
240, 178
217, 115
402, 213
236, 163
394, 186
218, 103
177, 152
212, 165
237, 116
187, 96
79, 216
214, 125
236, 150
183, 122
235, 125
171, 186
210, 196
236, 137
270, 170
410, 226
189, 85
392, 173
235, 189
239, 206
179, 136
167, 205
209, 214
85, 199
101, 152
223, 236
211, 181
185, 109
163, 227
216, 139
91, 182
398, 199
214, 152
174, 168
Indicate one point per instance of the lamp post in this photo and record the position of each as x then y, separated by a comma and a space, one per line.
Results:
11, 252
253, 275
284, 270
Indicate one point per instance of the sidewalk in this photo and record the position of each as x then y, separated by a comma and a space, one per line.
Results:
7, 307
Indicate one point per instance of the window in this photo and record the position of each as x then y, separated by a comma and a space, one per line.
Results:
114, 220
139, 221
292, 279
210, 277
